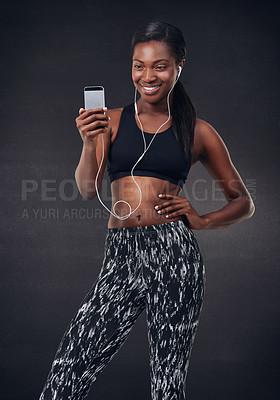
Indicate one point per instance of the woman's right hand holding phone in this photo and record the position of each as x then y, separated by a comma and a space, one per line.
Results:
92, 123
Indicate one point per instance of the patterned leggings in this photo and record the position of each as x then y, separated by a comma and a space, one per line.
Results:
158, 268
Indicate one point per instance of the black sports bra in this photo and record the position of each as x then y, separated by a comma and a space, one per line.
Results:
165, 159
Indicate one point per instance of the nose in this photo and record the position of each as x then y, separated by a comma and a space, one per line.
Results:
148, 75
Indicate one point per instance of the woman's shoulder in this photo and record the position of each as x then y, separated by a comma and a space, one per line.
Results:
210, 142
207, 135
204, 128
115, 116
114, 112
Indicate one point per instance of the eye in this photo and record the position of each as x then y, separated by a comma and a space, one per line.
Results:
161, 67
137, 66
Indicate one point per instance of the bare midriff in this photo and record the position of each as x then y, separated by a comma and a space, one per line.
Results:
146, 214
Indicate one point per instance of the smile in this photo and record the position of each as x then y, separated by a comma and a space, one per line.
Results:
150, 89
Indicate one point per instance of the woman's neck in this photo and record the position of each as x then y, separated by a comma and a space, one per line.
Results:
154, 108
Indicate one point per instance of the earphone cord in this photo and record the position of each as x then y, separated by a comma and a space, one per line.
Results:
145, 150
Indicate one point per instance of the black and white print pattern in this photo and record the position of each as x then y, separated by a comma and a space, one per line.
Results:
156, 268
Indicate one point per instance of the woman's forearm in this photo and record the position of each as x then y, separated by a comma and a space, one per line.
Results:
86, 172
235, 211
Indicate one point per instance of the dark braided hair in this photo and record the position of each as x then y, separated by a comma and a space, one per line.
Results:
182, 109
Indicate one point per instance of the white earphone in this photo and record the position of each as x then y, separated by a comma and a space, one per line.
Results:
140, 158
179, 73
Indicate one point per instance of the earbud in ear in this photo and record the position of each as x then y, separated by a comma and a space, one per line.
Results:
180, 70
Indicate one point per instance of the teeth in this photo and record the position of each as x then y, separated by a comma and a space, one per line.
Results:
150, 88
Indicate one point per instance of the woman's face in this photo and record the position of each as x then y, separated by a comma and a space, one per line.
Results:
154, 70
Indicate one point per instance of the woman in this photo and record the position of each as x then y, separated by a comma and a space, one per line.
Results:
152, 260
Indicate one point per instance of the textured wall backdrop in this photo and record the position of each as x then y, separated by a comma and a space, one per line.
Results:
52, 240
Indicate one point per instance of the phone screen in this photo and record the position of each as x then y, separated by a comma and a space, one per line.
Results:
94, 97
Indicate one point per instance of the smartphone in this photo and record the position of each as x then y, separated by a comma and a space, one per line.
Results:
94, 97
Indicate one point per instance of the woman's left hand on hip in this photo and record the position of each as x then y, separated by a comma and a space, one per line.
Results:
172, 206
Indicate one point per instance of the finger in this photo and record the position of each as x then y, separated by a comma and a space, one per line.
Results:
97, 110
169, 209
169, 202
91, 127
86, 119
175, 213
89, 124
86, 122
171, 196
180, 209
86, 113
165, 195
97, 132
97, 125
99, 128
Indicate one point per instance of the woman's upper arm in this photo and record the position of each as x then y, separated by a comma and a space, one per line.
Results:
99, 155
215, 157
114, 121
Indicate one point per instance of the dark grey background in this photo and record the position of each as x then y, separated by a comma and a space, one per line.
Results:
49, 260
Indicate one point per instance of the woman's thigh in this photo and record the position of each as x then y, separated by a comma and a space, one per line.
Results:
100, 326
174, 302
